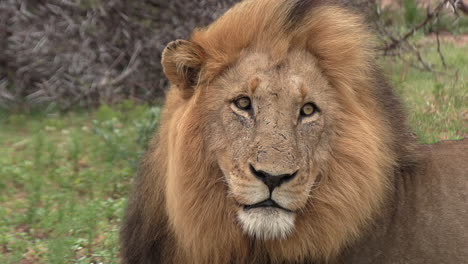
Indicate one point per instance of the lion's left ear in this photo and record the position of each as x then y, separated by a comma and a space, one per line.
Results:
182, 61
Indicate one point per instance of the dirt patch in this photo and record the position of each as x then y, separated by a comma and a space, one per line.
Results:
4, 249
461, 40
458, 40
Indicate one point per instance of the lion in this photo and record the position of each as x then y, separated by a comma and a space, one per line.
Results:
281, 142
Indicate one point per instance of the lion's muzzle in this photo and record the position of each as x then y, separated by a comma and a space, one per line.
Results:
272, 181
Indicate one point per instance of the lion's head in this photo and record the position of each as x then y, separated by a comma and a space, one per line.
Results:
277, 129
271, 137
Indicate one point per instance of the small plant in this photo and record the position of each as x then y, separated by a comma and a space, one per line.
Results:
413, 13
106, 113
146, 126
17, 119
113, 137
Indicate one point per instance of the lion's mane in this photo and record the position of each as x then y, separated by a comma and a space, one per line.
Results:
179, 211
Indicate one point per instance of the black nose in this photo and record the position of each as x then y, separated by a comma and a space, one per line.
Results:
272, 181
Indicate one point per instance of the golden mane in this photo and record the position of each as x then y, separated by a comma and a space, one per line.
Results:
179, 192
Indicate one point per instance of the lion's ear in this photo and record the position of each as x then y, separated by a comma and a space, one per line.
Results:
181, 61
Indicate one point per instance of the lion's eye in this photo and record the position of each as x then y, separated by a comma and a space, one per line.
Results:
243, 103
308, 109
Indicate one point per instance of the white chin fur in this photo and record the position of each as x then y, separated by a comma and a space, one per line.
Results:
266, 223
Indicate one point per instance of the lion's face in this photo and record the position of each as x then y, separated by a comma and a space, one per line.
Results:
278, 126
270, 138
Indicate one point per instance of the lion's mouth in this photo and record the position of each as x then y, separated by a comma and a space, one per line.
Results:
266, 203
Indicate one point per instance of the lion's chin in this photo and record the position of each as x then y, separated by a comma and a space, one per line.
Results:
266, 223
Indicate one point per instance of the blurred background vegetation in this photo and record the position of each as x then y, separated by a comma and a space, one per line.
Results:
81, 90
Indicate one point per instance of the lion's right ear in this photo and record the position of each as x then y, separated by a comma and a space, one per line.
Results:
182, 61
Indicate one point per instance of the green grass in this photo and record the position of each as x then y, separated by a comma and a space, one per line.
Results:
64, 182
64, 179
436, 102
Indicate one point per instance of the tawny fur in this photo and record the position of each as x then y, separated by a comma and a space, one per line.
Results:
184, 208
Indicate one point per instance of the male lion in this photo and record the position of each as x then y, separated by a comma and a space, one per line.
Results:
281, 142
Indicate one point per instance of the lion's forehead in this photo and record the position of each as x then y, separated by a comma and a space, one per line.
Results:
286, 78
294, 62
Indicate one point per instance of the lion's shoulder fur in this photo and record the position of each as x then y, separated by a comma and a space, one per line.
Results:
375, 148
425, 219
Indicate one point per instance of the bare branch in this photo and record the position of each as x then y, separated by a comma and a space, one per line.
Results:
429, 17
462, 6
438, 51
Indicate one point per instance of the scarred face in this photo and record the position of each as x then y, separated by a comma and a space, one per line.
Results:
271, 143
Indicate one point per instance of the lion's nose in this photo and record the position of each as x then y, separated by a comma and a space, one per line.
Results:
272, 181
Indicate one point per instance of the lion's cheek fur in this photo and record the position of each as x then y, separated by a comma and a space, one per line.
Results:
200, 215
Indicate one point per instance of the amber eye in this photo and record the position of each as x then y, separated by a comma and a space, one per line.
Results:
308, 109
243, 103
